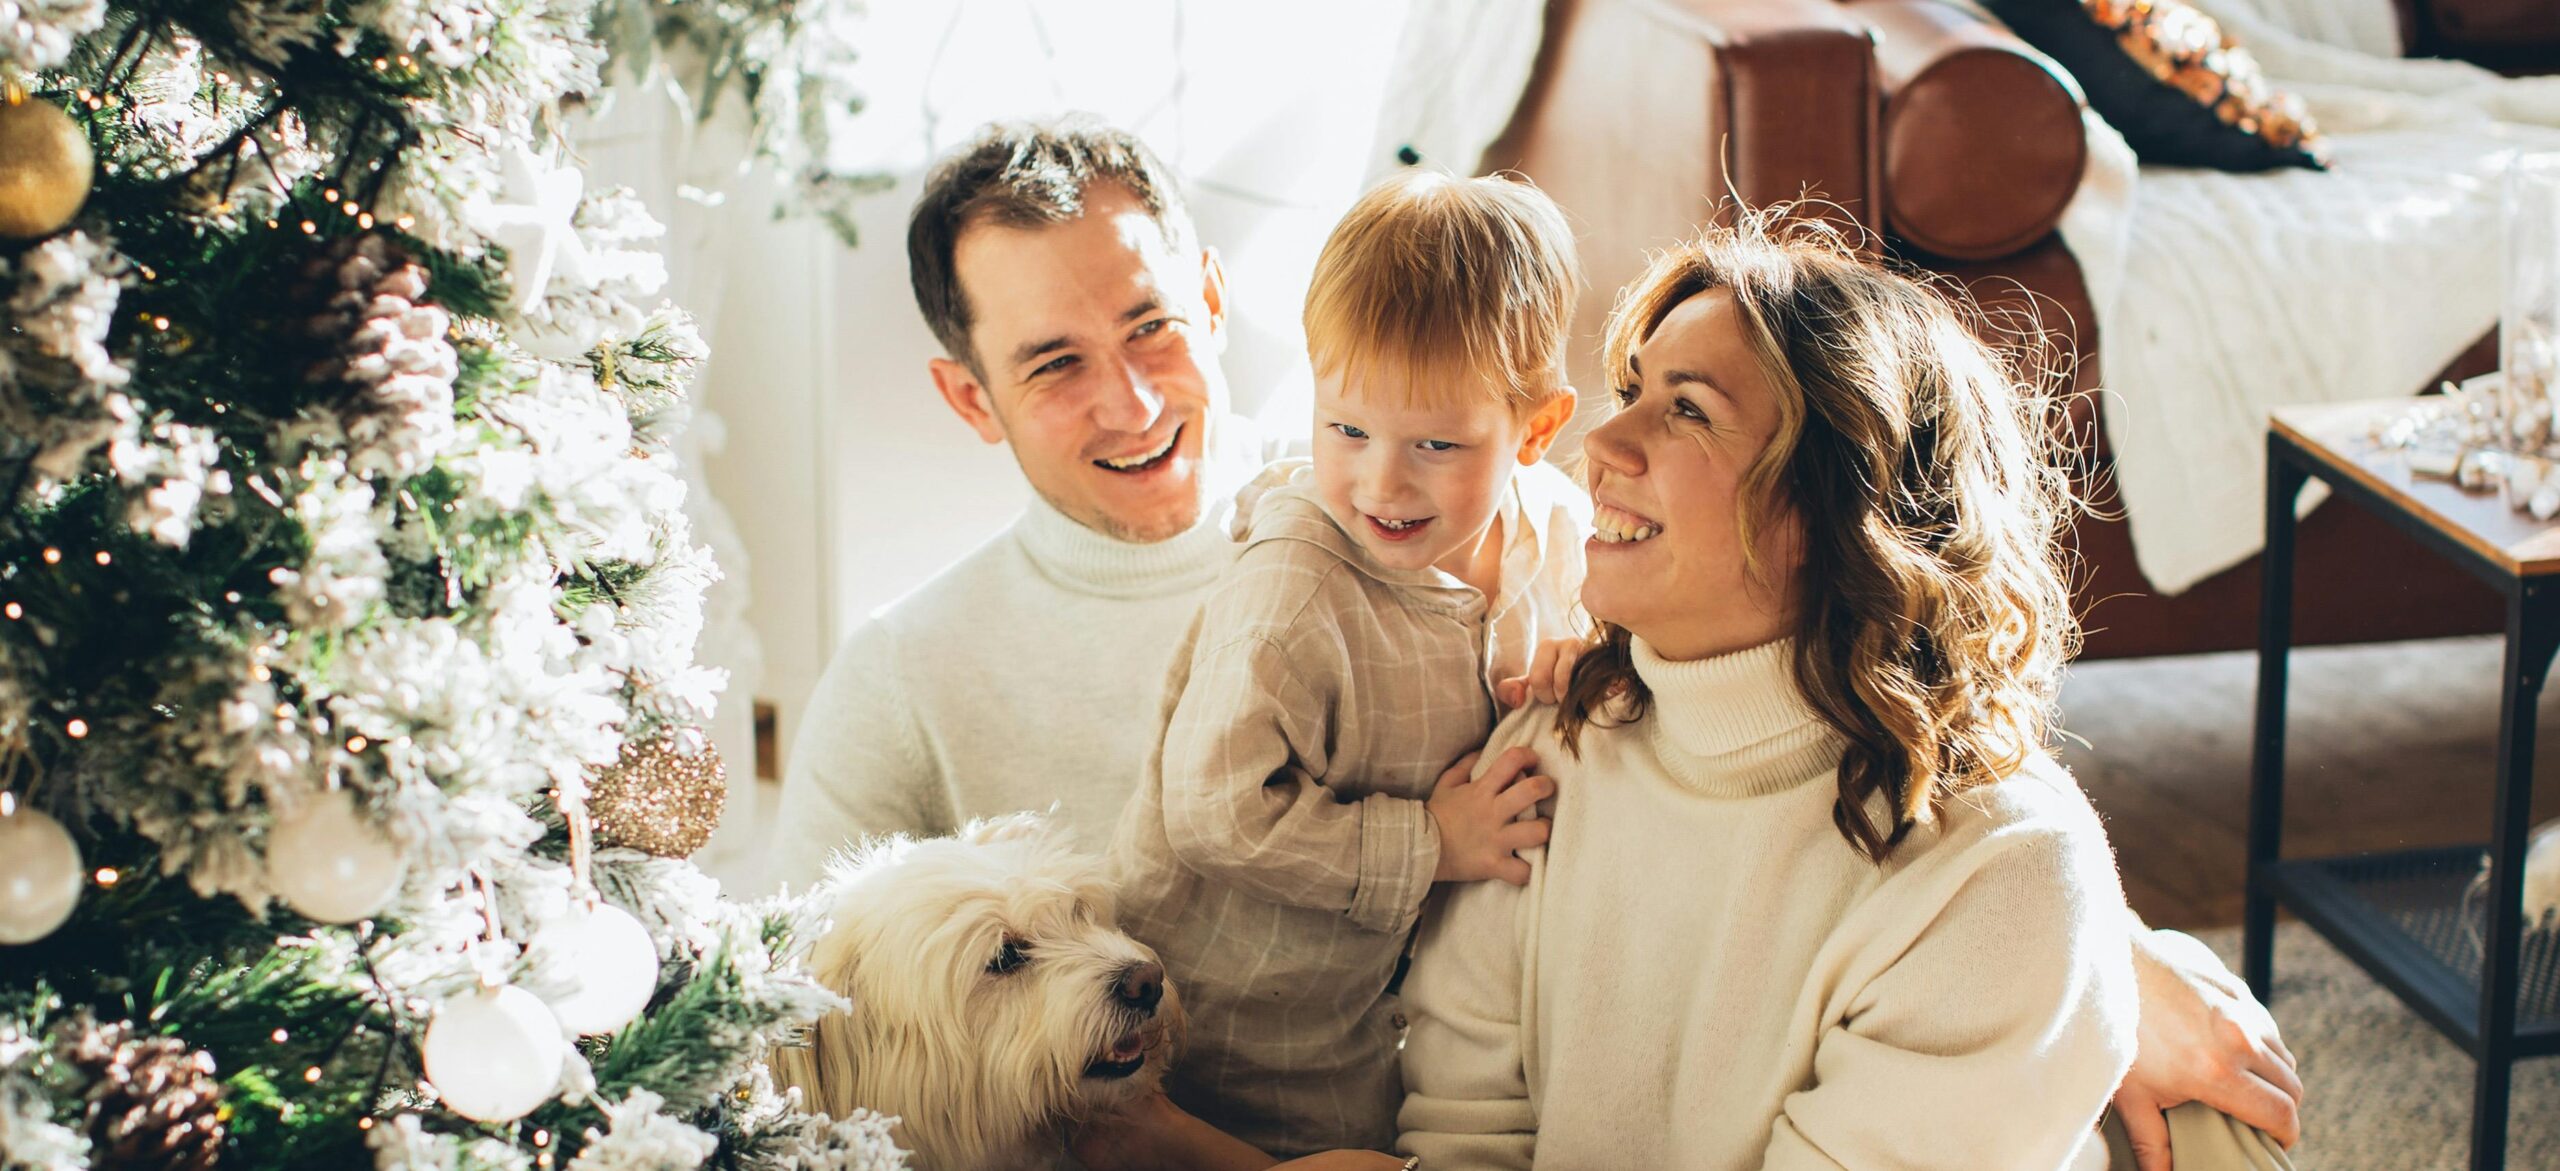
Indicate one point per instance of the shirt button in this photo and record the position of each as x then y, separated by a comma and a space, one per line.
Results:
1397, 1020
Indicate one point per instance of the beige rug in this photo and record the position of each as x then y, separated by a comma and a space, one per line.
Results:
2391, 747
2383, 1091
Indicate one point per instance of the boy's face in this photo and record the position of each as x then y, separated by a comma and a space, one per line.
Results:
1418, 486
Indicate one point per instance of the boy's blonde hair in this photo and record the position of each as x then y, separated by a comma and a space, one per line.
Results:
1438, 289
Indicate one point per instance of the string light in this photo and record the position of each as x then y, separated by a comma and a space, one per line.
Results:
364, 1124
309, 228
356, 743
365, 220
14, 611
258, 671
280, 1036
77, 728
312, 1075
52, 556
331, 195
160, 323
104, 558
107, 876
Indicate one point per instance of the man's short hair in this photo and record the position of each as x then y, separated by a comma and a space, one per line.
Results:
1438, 289
1025, 175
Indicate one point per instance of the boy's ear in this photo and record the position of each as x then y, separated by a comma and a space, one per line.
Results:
968, 397
1545, 426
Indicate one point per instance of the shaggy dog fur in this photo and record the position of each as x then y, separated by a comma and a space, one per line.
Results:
993, 1001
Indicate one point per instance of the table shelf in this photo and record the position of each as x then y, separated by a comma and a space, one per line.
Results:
2414, 921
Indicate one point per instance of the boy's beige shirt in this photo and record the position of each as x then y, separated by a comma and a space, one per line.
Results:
1277, 853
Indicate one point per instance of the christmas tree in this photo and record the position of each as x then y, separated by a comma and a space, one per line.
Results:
349, 731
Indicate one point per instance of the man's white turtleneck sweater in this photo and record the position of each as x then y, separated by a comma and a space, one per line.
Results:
1056, 637
1702, 973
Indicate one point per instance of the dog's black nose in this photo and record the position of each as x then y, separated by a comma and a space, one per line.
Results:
1141, 985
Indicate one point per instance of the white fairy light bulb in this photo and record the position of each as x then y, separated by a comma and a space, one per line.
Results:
493, 1054
39, 873
616, 963
331, 865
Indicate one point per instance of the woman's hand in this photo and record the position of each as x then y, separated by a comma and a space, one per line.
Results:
2203, 1039
1153, 1134
1343, 1161
1549, 670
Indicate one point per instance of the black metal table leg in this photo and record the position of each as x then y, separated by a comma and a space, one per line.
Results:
2285, 477
2533, 630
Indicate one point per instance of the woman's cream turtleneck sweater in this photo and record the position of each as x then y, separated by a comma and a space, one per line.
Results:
1702, 973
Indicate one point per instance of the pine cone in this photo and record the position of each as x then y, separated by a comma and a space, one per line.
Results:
377, 336
153, 1103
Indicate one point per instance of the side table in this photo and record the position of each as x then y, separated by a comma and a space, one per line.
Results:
2460, 958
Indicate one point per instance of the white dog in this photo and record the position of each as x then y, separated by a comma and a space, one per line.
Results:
993, 1000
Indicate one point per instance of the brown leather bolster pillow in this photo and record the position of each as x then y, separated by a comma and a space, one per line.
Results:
1982, 142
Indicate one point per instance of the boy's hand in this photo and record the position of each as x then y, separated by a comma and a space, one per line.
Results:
1481, 833
1549, 671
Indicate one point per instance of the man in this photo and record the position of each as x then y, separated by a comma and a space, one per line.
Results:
1081, 323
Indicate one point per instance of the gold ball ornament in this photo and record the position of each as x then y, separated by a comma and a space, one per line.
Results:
664, 796
45, 167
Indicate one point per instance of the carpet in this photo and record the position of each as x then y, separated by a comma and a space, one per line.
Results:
2383, 1091
2390, 747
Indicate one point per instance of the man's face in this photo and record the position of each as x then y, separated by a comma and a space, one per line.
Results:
1097, 351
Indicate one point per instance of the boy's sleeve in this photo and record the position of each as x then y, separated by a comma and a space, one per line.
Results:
2019, 992
1466, 1084
859, 765
1242, 749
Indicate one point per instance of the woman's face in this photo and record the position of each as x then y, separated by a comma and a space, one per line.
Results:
1666, 473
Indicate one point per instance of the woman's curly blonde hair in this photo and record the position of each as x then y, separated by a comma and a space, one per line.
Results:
1932, 617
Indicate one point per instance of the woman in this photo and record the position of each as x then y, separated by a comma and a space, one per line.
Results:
1832, 619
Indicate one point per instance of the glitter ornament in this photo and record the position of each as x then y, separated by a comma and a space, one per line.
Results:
329, 864
45, 167
493, 1054
664, 796
616, 963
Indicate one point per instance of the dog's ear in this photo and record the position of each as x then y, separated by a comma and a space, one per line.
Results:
1012, 827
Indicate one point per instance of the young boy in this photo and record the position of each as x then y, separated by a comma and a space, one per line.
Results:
1296, 814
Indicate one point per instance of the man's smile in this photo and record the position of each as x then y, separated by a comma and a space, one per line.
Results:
1147, 460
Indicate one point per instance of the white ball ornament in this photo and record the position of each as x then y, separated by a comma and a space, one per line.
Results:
39, 873
329, 864
616, 963
493, 1054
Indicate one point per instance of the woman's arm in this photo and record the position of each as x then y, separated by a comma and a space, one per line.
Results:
1465, 1059
1153, 1134
1994, 1038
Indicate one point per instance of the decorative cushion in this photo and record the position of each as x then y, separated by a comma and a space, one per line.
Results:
2164, 75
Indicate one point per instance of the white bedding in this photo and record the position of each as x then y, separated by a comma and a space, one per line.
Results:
2221, 296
